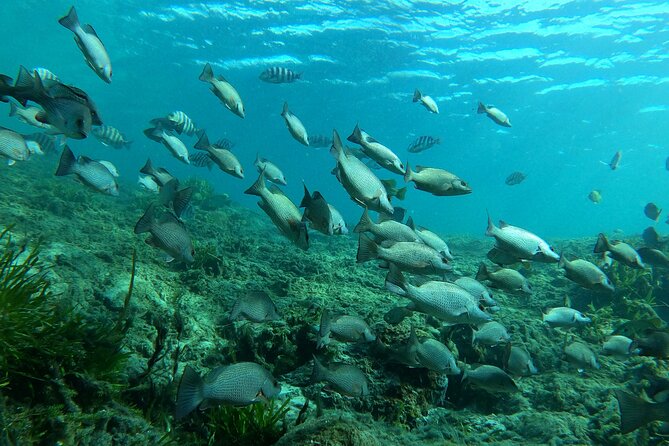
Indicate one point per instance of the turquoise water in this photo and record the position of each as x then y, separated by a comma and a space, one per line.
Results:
578, 79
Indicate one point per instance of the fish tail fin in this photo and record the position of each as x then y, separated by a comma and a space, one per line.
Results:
634, 411
367, 249
71, 20
257, 161
408, 174
602, 244
563, 261
395, 282
365, 224
298, 76
356, 136
148, 167
190, 393
13, 109
302, 236
482, 273
285, 109
437, 140
207, 74
337, 149
401, 193
203, 142
410, 223
417, 95
491, 226
306, 200
146, 221
481, 108
319, 371
258, 187
324, 330
67, 162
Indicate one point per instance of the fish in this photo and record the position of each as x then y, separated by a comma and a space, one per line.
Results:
344, 378
279, 75
92, 173
478, 290
111, 136
344, 328
519, 362
586, 274
385, 157
181, 123
254, 306
392, 189
47, 143
362, 185
494, 113
386, 229
431, 239
90, 45
521, 243
426, 101
413, 257
160, 175
653, 257
595, 196
619, 251
13, 146
515, 178
504, 279
223, 158
430, 354
317, 141
636, 412
654, 343
295, 126
490, 334
110, 167
237, 384
28, 115
224, 91
490, 378
167, 233
652, 211
147, 182
176, 146
581, 356
652, 238
436, 181
565, 317
283, 213
177, 201
396, 315
322, 215
423, 143
46, 75
618, 345
615, 161
272, 172
442, 300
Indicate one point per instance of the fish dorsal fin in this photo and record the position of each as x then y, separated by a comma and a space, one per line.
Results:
503, 224
85, 160
371, 139
384, 217
89, 30
275, 190
567, 301
419, 168
221, 78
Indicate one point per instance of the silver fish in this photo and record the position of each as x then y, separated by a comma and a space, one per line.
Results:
168, 234
490, 378
580, 355
279, 75
111, 136
28, 115
283, 213
495, 114
295, 126
346, 379
520, 243
223, 91
92, 173
160, 175
431, 354
223, 158
438, 182
385, 157
478, 290
237, 384
520, 362
386, 229
618, 345
272, 171
362, 185
13, 146
147, 182
431, 239
423, 143
426, 101
491, 333
565, 317
176, 147
255, 306
90, 45
344, 328
504, 278
413, 257
586, 274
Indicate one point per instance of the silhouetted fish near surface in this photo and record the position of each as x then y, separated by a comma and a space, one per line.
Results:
111, 136
279, 75
92, 173
652, 211
615, 161
494, 113
318, 141
423, 143
515, 178
426, 101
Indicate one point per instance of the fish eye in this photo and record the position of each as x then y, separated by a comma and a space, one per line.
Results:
192, 252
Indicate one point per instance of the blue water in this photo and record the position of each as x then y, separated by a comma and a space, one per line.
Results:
579, 80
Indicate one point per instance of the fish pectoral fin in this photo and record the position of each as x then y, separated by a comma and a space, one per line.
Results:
88, 29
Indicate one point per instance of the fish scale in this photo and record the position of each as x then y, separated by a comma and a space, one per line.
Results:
434, 355
239, 383
13, 146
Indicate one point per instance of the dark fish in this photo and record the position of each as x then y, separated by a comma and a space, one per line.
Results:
653, 257
160, 175
168, 234
255, 306
174, 199
279, 75
595, 196
636, 412
237, 384
490, 378
317, 141
322, 216
92, 173
423, 143
652, 211
110, 136
396, 315
515, 178
655, 343
615, 161
346, 379
651, 237
619, 251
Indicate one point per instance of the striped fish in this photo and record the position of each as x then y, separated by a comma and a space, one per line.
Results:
320, 141
182, 123
46, 75
423, 143
111, 136
46, 143
279, 75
